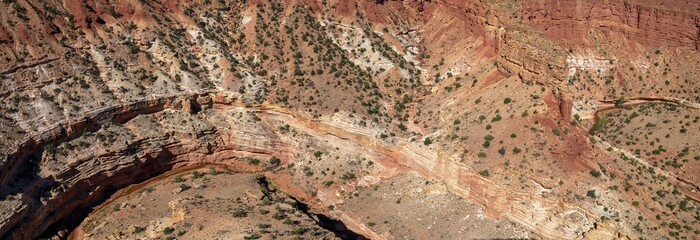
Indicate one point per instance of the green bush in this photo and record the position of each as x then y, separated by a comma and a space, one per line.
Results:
516, 150
274, 161
620, 101
591, 194
599, 125
556, 132
484, 173
240, 213
178, 179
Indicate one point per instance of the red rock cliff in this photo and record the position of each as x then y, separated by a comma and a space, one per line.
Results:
673, 23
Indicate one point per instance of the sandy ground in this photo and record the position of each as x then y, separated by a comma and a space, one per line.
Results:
410, 207
206, 203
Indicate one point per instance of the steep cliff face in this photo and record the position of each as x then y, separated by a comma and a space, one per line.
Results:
36, 179
655, 24
623, 48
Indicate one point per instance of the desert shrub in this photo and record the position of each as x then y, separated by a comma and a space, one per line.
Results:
484, 173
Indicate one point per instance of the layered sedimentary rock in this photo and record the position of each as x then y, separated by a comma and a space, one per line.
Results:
667, 23
76, 174
488, 98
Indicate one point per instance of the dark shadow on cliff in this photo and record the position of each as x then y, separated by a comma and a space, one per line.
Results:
335, 226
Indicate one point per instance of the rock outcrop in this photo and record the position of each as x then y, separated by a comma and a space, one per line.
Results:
656, 24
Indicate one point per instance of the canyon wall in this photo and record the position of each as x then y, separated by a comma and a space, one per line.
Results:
667, 23
76, 176
35, 192
164, 75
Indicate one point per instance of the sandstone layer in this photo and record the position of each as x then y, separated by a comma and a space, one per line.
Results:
505, 104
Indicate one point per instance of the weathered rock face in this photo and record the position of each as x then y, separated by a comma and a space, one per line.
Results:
656, 24
83, 171
43, 180
4, 36
487, 97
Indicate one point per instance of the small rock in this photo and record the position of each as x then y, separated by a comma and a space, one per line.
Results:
131, 229
177, 190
